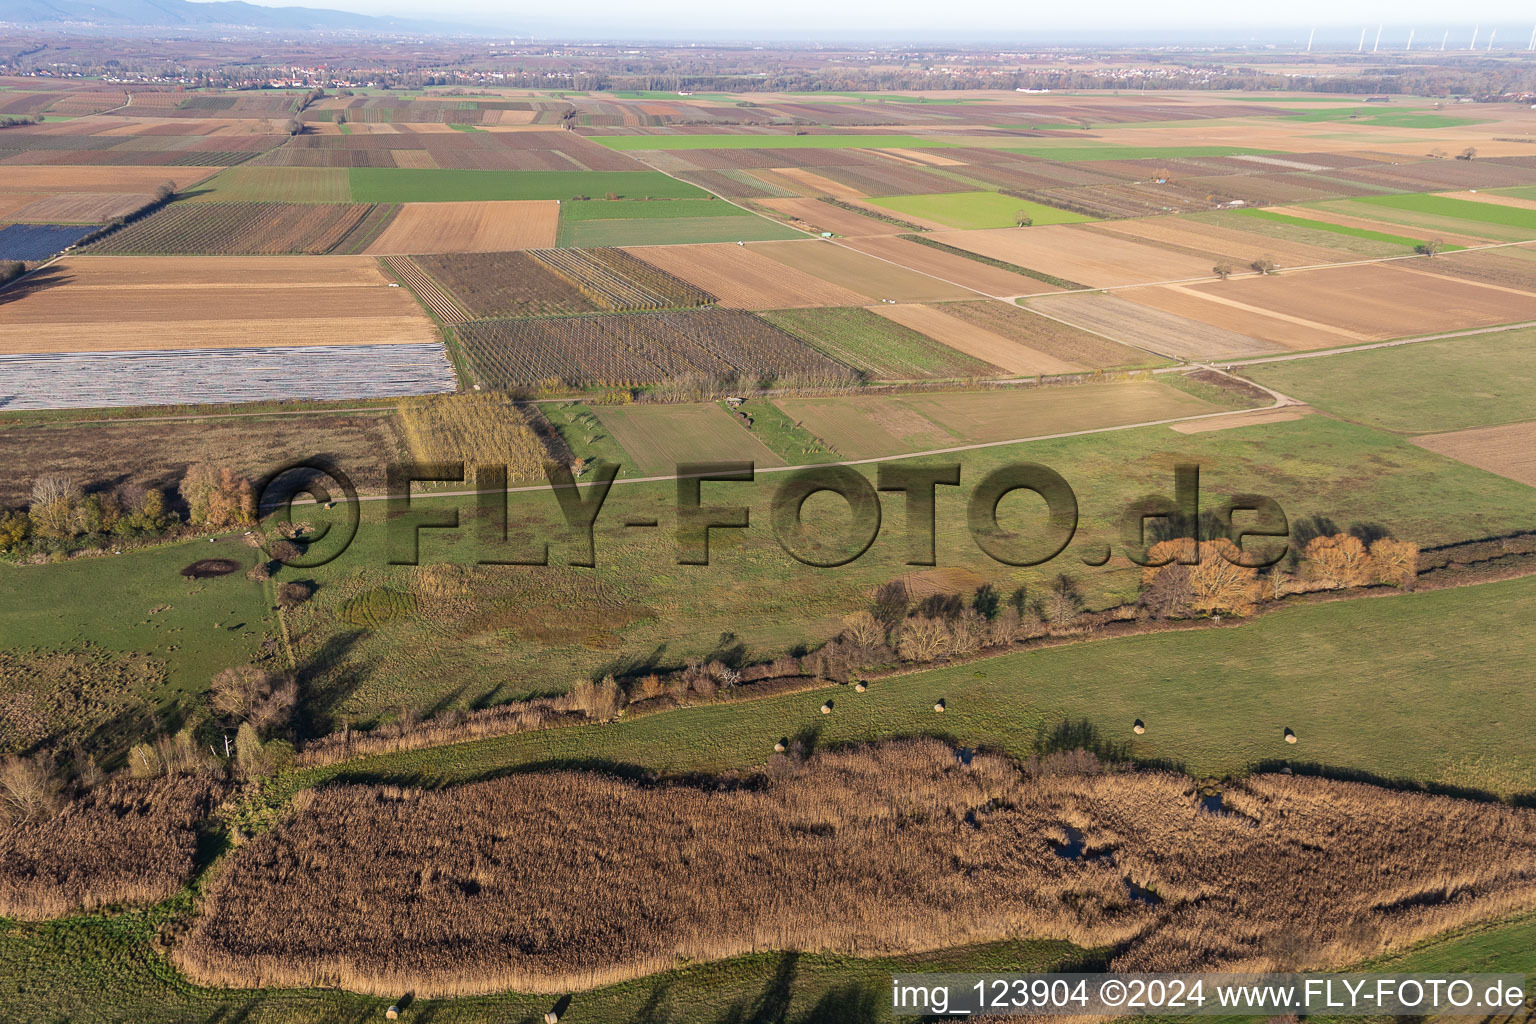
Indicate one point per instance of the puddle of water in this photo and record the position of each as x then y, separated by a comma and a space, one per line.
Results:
1072, 849
1140, 895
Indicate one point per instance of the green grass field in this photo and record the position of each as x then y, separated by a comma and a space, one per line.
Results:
1335, 229
276, 185
1077, 152
849, 141
880, 347
1458, 209
400, 185
1362, 683
1380, 118
1479, 381
664, 222
977, 209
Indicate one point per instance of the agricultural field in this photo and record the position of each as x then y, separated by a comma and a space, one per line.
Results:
1080, 255
1484, 380
392, 185
978, 210
869, 427
554, 282
467, 227
553, 279
878, 345
659, 438
857, 272
91, 304
639, 348
1509, 450
744, 277
249, 229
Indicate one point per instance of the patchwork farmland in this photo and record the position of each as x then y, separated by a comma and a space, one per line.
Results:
562, 259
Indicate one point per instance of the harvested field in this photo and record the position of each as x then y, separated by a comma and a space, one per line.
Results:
99, 179
1221, 244
1372, 302
1244, 419
946, 266
112, 378
123, 842
244, 229
660, 437
87, 696
1154, 329
640, 348
1079, 254
1510, 267
535, 881
1509, 450
877, 345
978, 343
468, 227
1043, 334
873, 426
157, 453
858, 272
76, 207
662, 230
83, 304
745, 278
816, 217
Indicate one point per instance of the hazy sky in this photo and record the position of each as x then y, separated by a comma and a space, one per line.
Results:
995, 20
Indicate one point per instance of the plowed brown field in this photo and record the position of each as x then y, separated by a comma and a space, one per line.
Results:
1509, 450
949, 267
99, 179
122, 304
973, 341
1219, 243
861, 273
79, 207
744, 278
1070, 252
819, 216
1158, 329
422, 228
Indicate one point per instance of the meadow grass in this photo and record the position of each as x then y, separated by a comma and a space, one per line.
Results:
1361, 682
1382, 118
883, 348
978, 209
1479, 381
628, 143
401, 185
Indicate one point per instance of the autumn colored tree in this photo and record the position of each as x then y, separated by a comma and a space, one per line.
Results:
1395, 562
1338, 561
217, 497
922, 639
1218, 585
255, 696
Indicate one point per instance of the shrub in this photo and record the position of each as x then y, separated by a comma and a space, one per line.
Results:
254, 695
864, 629
217, 497
922, 639
291, 595
1395, 562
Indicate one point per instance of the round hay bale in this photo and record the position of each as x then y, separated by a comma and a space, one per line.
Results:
551, 1017
393, 1013
1139, 728
826, 708
780, 747
860, 686
1290, 737
938, 706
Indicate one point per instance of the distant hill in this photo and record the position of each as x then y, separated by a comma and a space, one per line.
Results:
182, 14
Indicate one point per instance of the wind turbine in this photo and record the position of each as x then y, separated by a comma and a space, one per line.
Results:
1361, 47
1490, 39
1314, 36
1377, 45
1445, 39
1410, 39
1473, 44
1532, 45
